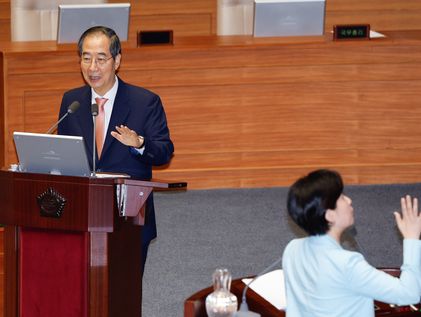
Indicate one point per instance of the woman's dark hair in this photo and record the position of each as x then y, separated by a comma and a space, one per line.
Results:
310, 197
115, 46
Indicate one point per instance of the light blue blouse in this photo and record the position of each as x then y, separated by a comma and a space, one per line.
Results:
323, 279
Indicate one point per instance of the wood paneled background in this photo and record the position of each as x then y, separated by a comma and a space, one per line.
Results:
250, 112
5, 33
247, 112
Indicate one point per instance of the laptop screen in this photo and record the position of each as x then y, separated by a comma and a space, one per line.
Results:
74, 19
51, 154
289, 17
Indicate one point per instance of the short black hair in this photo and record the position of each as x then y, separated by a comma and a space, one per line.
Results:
310, 197
115, 45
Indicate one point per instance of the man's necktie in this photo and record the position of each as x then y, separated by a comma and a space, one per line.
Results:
100, 123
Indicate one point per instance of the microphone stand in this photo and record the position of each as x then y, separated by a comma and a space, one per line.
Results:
71, 109
94, 110
244, 308
57, 123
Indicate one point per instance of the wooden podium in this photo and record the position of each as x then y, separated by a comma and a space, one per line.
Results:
194, 306
72, 245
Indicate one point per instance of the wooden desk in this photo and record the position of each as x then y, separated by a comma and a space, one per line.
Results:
194, 306
250, 112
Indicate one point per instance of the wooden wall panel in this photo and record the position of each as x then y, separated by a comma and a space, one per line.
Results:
153, 7
382, 15
183, 16
255, 112
293, 107
33, 98
5, 33
2, 109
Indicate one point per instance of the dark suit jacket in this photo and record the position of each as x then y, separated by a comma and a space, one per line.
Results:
141, 111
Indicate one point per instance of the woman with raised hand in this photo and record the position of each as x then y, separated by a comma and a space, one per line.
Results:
323, 279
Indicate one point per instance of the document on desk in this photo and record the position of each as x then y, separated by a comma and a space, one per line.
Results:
376, 35
111, 175
270, 286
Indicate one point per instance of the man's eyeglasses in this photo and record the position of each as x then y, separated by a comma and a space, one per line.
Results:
101, 60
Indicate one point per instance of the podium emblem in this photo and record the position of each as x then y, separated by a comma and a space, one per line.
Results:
51, 203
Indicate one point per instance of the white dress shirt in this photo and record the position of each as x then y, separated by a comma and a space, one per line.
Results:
108, 108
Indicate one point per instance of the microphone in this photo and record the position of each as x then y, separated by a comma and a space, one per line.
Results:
94, 111
71, 109
244, 309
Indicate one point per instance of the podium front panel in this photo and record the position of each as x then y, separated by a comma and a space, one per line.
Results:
57, 202
53, 273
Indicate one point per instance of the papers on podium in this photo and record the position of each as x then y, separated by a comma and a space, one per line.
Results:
270, 286
111, 175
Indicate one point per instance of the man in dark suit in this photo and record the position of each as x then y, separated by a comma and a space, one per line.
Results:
132, 133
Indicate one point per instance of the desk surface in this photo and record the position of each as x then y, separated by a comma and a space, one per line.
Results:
219, 41
194, 306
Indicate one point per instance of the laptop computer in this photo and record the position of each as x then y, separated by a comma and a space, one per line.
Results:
74, 19
51, 154
289, 17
